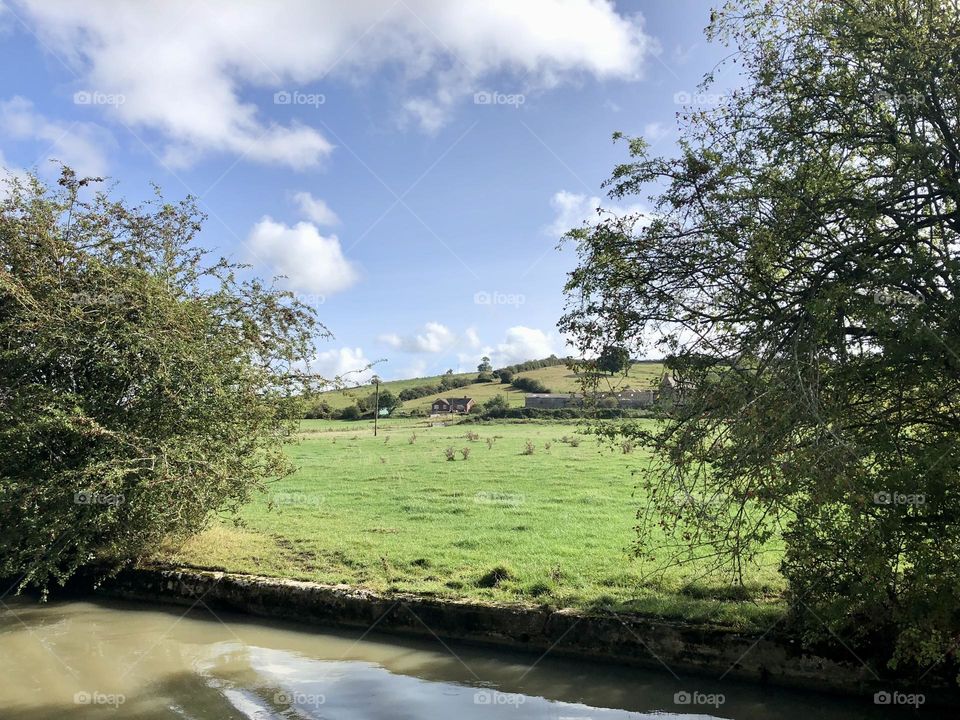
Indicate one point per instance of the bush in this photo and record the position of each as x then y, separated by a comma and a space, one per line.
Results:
142, 388
528, 448
319, 411
506, 376
465, 452
350, 412
530, 385
450, 453
495, 404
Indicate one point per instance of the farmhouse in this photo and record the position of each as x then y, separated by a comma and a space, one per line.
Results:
452, 405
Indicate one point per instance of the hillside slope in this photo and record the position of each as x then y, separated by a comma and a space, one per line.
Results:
558, 378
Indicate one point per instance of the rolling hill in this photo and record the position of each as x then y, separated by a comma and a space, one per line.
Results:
558, 378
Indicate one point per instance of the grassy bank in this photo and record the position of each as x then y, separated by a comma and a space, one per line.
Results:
391, 513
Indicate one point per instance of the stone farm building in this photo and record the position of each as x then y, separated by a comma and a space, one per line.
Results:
629, 398
551, 401
460, 405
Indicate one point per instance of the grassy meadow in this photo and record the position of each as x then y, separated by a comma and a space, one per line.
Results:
391, 513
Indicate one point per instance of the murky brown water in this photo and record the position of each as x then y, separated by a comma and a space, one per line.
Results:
106, 660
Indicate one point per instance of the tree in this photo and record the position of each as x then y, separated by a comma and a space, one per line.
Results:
484, 365
799, 262
614, 359
506, 376
388, 401
142, 388
352, 412
498, 403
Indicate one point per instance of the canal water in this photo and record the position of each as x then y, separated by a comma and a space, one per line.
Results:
91, 660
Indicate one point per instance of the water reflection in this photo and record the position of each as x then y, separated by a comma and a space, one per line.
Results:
103, 660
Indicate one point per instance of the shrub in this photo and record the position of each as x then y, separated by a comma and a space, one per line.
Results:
350, 412
530, 385
143, 388
465, 452
506, 377
529, 448
450, 453
412, 439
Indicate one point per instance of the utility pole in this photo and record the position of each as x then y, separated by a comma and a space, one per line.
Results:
376, 408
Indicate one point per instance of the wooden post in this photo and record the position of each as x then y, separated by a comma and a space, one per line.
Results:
376, 407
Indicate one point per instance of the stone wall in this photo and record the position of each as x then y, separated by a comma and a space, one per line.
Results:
635, 640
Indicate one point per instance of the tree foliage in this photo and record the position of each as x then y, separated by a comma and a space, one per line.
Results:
799, 265
142, 388
613, 359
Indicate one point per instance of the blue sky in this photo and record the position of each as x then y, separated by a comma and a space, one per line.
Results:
407, 165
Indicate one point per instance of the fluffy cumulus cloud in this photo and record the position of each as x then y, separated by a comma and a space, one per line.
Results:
8, 174
524, 343
349, 365
315, 209
186, 69
571, 210
433, 338
79, 145
311, 262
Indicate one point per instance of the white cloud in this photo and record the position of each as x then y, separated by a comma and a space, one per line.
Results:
348, 364
524, 343
434, 338
655, 132
312, 262
315, 209
183, 67
571, 210
9, 173
78, 145
472, 338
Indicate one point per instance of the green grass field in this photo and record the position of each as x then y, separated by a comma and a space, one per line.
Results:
553, 527
558, 378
